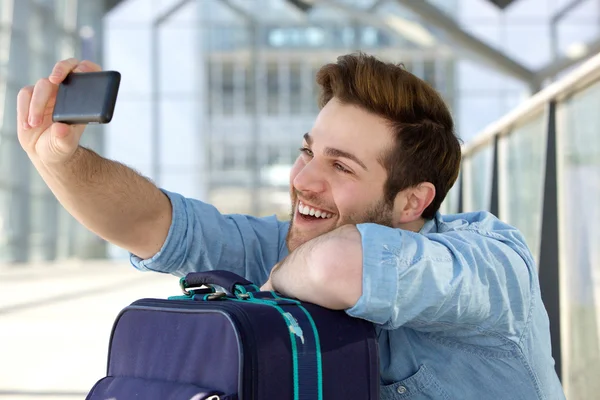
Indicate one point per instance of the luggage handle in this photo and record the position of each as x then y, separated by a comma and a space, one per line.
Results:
229, 281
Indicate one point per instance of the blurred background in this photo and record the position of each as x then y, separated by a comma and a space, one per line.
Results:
215, 97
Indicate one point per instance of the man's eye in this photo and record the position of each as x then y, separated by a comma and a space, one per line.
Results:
306, 151
341, 168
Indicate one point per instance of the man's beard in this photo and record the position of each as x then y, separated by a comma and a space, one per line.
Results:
379, 213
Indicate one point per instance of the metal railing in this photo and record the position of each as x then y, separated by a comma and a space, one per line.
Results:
538, 168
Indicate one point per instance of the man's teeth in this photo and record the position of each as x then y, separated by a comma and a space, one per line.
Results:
306, 210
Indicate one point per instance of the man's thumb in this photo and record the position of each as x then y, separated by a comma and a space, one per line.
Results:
65, 139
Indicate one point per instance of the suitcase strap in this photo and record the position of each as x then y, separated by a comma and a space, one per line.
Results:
304, 338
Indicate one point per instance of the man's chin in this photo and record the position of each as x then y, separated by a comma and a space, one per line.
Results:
297, 238
294, 240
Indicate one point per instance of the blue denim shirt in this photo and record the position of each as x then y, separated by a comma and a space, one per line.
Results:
457, 306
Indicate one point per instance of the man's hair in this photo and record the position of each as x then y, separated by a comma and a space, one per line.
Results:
426, 148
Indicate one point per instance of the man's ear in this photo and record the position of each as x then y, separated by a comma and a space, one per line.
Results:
410, 203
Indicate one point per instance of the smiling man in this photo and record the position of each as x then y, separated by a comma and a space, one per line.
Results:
455, 299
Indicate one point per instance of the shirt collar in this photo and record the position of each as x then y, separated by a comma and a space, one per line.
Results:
431, 225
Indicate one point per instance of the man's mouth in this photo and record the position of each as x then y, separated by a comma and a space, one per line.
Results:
312, 213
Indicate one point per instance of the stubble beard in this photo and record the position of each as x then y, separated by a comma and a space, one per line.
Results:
379, 213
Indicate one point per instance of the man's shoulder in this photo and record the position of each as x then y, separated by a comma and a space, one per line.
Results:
477, 220
483, 226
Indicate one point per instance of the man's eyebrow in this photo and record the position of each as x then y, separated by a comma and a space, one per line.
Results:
308, 138
331, 152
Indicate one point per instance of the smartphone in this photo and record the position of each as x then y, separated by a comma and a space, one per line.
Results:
87, 98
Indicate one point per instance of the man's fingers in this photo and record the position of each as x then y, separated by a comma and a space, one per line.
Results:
87, 66
62, 69
23, 101
65, 67
42, 92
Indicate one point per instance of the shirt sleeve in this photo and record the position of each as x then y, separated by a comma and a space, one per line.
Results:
440, 281
200, 238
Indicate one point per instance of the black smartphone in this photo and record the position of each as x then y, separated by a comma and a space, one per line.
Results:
87, 97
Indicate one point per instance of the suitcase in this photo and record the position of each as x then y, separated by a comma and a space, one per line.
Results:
237, 343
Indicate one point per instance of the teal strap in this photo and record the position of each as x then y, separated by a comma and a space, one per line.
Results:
294, 351
307, 362
317, 344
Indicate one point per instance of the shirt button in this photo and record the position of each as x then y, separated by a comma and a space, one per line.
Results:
401, 389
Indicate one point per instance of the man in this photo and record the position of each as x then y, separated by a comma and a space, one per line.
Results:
455, 299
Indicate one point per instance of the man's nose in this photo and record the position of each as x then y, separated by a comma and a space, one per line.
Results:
310, 178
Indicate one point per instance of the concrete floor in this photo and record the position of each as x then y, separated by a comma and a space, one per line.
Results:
55, 323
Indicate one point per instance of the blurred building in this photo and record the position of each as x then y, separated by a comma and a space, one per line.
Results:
33, 35
216, 95
235, 80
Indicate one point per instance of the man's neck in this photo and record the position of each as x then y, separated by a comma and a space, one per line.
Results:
414, 226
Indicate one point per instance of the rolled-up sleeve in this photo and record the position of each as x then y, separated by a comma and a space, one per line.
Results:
438, 281
380, 276
167, 257
200, 238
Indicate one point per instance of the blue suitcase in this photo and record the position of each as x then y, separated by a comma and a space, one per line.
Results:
239, 344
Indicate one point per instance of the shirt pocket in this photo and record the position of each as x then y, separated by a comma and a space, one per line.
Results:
422, 385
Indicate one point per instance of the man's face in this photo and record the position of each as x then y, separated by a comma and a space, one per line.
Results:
337, 177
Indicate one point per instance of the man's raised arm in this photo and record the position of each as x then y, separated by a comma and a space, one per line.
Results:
109, 198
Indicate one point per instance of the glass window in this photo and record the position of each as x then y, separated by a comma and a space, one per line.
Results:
429, 72
65, 233
273, 89
277, 37
228, 88
178, 115
9, 148
579, 191
66, 14
15, 222
477, 170
5, 38
450, 204
128, 139
215, 91
521, 179
43, 226
369, 36
249, 93
295, 83
4, 199
42, 30
37, 186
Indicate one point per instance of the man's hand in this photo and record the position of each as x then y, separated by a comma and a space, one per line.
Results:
267, 287
48, 142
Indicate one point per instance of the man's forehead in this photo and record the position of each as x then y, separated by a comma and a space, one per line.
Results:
367, 140
350, 122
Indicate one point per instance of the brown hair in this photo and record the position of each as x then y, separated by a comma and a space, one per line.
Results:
426, 148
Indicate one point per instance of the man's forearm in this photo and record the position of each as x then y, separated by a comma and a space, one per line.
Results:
326, 270
111, 200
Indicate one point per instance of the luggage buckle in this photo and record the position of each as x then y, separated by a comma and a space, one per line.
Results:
183, 286
216, 296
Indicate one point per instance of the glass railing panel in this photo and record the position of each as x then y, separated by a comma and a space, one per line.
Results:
477, 170
522, 156
579, 207
450, 203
